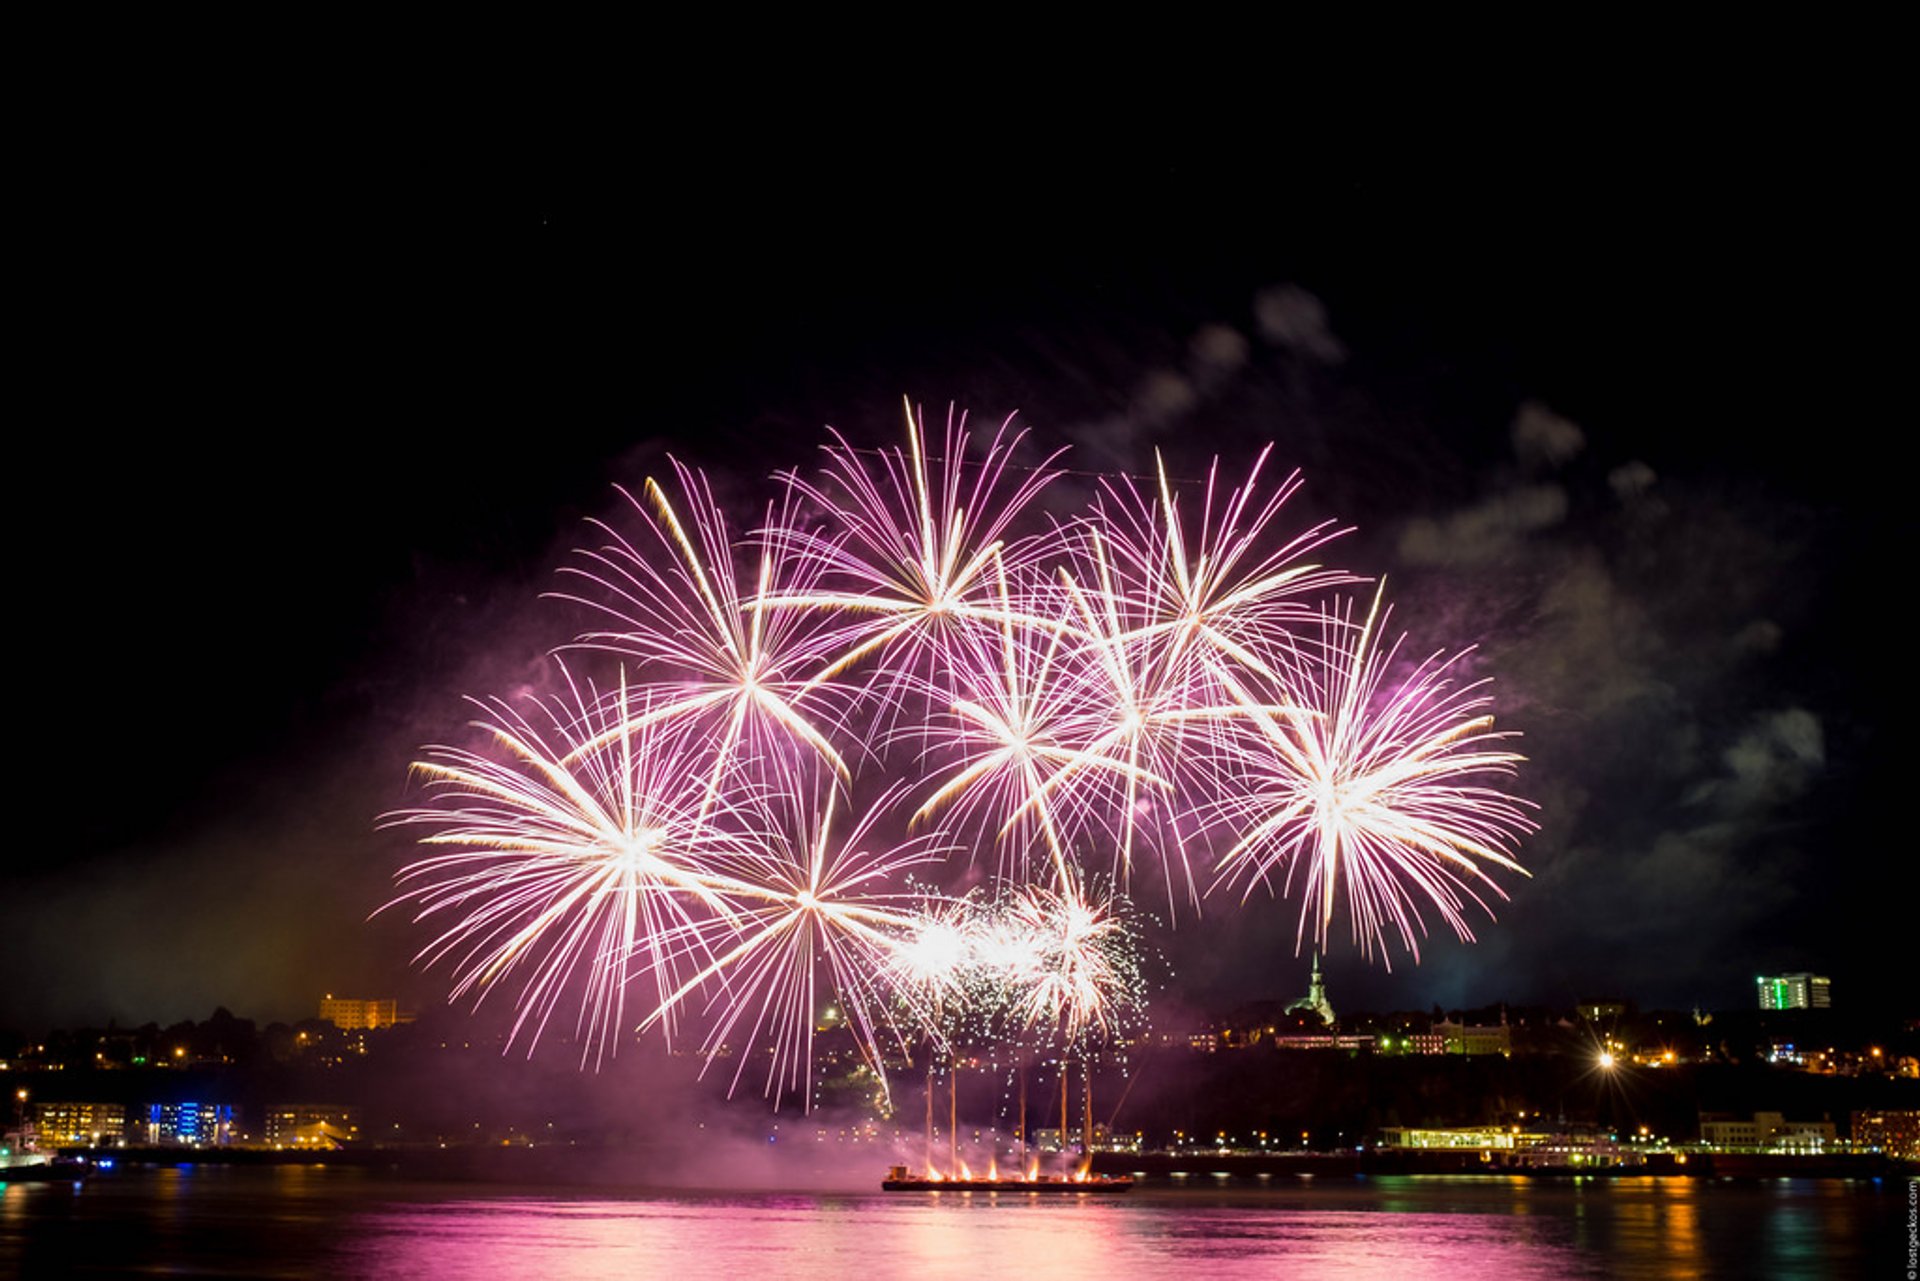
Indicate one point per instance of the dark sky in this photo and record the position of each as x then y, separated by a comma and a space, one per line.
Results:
322, 398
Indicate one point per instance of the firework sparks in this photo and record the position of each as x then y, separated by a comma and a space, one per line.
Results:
1132, 678
734, 673
820, 901
576, 856
1384, 788
1215, 593
1070, 963
1025, 759
1181, 622
907, 567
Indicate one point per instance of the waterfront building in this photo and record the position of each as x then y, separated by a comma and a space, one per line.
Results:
1764, 1131
1353, 1042
1895, 1133
80, 1125
1470, 1038
1482, 1137
1404, 1042
311, 1125
196, 1125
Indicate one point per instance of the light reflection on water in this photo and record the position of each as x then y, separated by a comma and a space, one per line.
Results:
343, 1222
922, 1237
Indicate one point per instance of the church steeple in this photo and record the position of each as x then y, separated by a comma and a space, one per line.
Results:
1316, 997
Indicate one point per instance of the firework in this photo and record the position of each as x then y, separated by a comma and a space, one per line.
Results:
1215, 594
731, 674
1155, 676
907, 564
1383, 786
818, 906
1060, 964
1024, 753
934, 971
1069, 962
1182, 622
583, 850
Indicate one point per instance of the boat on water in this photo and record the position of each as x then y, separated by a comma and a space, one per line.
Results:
22, 1162
900, 1180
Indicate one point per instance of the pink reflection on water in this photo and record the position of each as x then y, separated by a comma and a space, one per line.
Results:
943, 1235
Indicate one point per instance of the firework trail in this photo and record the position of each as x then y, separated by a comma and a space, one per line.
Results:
909, 564
728, 673
818, 905
575, 857
1384, 786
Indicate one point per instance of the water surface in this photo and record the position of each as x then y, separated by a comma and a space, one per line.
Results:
332, 1221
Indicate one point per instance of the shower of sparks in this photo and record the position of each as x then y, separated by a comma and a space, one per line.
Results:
721, 669
1033, 964
904, 645
819, 898
1381, 786
576, 857
1071, 963
907, 566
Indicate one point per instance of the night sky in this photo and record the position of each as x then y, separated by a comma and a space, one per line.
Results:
319, 402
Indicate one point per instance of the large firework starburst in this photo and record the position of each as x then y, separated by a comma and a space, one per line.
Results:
821, 723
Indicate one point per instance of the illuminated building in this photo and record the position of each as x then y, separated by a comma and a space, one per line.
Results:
1895, 1133
1469, 1038
312, 1125
80, 1125
1475, 1136
353, 1015
1794, 992
189, 1124
1323, 1041
1766, 1131
1404, 1042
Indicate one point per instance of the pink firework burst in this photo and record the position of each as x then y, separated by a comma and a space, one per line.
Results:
581, 850
736, 676
819, 913
1019, 754
906, 563
1213, 590
1156, 681
1389, 790
1183, 622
